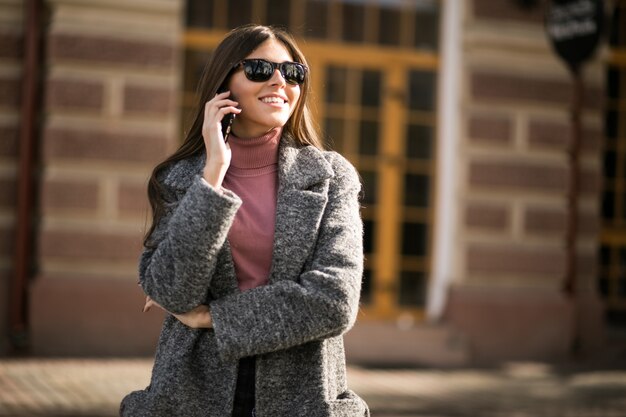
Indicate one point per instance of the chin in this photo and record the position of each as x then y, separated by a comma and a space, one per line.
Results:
276, 122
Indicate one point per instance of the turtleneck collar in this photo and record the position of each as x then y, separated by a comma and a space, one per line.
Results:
257, 152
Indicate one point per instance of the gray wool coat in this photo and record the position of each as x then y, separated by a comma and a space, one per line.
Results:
294, 324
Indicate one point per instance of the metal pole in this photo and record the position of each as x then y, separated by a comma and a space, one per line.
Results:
571, 236
23, 234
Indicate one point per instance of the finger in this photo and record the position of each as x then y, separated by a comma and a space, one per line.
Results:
226, 110
148, 305
211, 109
223, 94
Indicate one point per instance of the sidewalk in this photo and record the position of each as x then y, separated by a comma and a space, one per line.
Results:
93, 388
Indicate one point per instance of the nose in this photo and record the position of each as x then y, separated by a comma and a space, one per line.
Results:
277, 78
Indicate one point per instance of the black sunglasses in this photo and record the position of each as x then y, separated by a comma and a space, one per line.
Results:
260, 70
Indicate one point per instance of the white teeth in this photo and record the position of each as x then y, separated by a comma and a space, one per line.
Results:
272, 100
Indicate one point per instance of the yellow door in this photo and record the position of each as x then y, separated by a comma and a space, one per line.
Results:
377, 109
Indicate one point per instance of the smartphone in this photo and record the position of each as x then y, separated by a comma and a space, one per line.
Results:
227, 124
228, 119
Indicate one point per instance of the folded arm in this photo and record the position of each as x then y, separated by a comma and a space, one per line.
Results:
177, 270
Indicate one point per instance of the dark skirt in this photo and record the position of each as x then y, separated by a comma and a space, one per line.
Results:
244, 393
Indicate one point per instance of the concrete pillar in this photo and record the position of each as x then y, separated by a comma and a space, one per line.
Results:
516, 95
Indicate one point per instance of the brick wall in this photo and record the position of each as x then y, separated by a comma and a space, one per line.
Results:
110, 113
11, 34
515, 130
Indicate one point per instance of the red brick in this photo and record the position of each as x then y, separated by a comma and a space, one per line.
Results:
11, 45
518, 175
509, 88
91, 316
133, 198
96, 245
74, 94
490, 129
546, 135
8, 192
587, 266
10, 92
505, 324
111, 51
503, 10
106, 146
148, 100
546, 221
487, 216
8, 142
590, 180
69, 194
503, 259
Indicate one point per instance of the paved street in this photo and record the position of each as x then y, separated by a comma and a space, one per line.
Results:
64, 388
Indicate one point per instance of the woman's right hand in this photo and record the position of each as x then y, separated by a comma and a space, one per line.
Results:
218, 151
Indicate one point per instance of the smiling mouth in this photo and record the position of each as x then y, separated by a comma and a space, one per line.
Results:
276, 100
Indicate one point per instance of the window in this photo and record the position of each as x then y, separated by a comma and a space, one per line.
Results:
612, 282
374, 75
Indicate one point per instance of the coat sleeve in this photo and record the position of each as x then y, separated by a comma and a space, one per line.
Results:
176, 270
321, 303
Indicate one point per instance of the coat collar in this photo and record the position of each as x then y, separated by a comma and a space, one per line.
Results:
298, 167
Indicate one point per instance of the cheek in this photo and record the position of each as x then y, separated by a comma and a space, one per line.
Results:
295, 99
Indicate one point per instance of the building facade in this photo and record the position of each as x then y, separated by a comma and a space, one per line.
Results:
456, 114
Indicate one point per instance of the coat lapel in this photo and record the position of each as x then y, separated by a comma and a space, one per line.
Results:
303, 175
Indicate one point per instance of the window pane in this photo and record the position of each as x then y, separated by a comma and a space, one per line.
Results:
604, 286
426, 29
366, 287
368, 143
612, 83
610, 166
368, 236
414, 239
421, 90
239, 12
615, 37
334, 134
199, 13
353, 22
278, 13
412, 289
419, 142
605, 255
370, 186
608, 206
194, 64
622, 258
370, 88
610, 125
416, 190
389, 26
336, 80
316, 18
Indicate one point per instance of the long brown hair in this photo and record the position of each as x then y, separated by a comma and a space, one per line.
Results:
236, 46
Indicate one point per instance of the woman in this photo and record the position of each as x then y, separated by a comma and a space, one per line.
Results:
255, 249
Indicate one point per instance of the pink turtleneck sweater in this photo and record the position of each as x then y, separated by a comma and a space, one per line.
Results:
253, 176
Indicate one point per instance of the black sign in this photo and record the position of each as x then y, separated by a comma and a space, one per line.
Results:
574, 27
